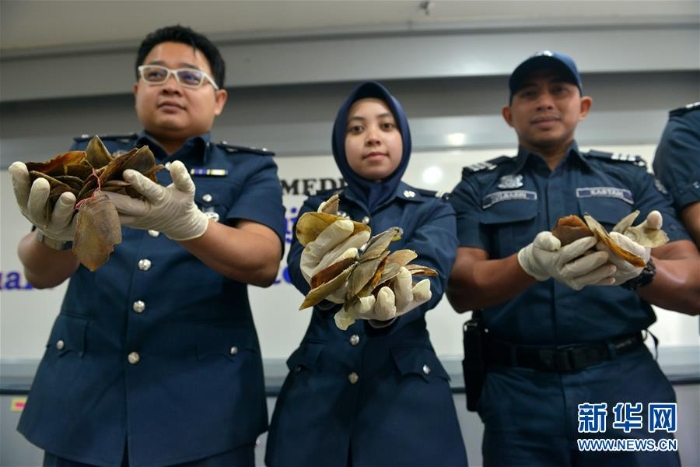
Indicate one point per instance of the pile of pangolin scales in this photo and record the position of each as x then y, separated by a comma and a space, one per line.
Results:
87, 174
572, 228
373, 267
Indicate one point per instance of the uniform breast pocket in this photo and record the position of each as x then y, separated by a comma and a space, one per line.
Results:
607, 211
418, 362
68, 336
510, 225
215, 198
305, 358
228, 341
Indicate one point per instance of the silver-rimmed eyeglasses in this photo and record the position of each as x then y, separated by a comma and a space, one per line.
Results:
185, 77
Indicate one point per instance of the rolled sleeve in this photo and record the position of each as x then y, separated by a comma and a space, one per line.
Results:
467, 206
261, 197
677, 159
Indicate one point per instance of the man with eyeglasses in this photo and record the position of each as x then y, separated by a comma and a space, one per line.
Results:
154, 358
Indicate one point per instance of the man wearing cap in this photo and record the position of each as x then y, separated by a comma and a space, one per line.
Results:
677, 164
560, 354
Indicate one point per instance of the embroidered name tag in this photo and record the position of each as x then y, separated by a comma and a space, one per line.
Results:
605, 192
494, 198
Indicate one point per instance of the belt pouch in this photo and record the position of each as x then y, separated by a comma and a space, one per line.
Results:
473, 364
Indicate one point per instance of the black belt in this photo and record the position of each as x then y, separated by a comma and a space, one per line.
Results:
560, 359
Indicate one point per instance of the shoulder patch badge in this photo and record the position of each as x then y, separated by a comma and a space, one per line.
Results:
660, 186
508, 182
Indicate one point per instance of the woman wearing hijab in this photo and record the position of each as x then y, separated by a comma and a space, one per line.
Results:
374, 394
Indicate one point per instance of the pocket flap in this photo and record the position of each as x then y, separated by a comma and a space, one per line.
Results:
68, 335
225, 339
512, 210
607, 211
420, 361
305, 357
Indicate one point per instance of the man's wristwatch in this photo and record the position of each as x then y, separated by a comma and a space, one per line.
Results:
59, 245
643, 279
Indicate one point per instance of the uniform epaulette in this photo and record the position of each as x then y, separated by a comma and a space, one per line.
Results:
684, 110
433, 193
233, 149
124, 137
617, 157
487, 165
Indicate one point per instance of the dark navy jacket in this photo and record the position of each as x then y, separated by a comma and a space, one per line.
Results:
677, 159
380, 394
503, 204
368, 396
155, 349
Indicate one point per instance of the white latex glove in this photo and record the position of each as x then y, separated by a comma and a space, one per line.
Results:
380, 311
392, 301
653, 222
335, 243
170, 209
59, 224
625, 271
409, 296
362, 309
571, 264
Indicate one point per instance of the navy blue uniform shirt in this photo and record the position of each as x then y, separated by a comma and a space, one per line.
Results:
677, 160
381, 395
503, 204
155, 349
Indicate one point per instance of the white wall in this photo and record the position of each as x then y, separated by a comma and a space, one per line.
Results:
27, 315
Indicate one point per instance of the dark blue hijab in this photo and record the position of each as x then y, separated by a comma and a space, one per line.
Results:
371, 193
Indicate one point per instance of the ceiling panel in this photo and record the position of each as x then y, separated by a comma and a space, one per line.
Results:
36, 24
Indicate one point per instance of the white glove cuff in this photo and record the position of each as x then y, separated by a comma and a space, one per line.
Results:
375, 323
52, 243
196, 228
525, 261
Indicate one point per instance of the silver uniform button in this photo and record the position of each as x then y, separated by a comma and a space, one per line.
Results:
153, 233
409, 194
139, 306
60, 345
144, 264
426, 369
353, 377
207, 198
133, 358
354, 339
234, 350
365, 220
